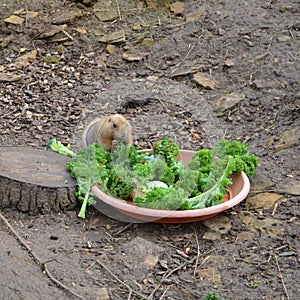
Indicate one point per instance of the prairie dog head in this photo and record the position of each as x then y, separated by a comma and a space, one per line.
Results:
119, 126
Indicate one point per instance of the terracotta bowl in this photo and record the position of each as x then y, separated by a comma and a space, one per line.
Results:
126, 211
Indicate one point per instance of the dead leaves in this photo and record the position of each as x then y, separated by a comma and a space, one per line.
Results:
10, 77
16, 20
114, 37
67, 17
52, 30
19, 16
205, 81
25, 59
177, 7
5, 41
131, 56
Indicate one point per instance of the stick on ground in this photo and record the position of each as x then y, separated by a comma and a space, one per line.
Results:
37, 259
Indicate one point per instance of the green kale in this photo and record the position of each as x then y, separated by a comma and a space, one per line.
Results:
169, 151
244, 161
204, 183
88, 168
162, 198
120, 182
56, 146
202, 162
215, 189
212, 296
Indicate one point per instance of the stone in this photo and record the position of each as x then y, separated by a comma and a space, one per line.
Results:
268, 226
212, 235
205, 81
114, 37
283, 38
67, 17
294, 189
142, 252
263, 201
219, 224
260, 182
222, 103
209, 274
289, 138
97, 293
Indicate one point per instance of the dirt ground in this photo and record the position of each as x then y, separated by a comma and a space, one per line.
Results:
194, 70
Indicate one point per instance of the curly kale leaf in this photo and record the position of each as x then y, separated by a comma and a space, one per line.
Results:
244, 161
88, 167
162, 198
169, 151
215, 189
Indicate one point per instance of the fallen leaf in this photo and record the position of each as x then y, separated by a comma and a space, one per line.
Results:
25, 59
67, 17
13, 19
195, 16
52, 59
113, 38
196, 137
148, 42
222, 103
177, 7
205, 80
131, 56
107, 15
80, 30
31, 14
110, 49
263, 201
10, 77
229, 62
5, 41
54, 29
209, 274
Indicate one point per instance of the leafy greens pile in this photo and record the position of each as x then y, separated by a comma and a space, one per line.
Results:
156, 179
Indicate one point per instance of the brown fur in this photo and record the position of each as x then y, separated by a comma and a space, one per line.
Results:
106, 130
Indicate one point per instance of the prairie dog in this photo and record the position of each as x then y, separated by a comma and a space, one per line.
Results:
106, 130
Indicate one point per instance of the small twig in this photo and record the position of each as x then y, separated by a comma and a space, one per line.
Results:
37, 259
281, 277
120, 281
119, 12
123, 229
198, 251
191, 47
164, 293
275, 208
68, 35
166, 275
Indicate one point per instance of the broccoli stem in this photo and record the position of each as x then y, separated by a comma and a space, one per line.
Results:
83, 206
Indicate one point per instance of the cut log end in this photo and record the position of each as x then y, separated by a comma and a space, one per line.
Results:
35, 181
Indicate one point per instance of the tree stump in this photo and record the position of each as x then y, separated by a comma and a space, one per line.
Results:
35, 181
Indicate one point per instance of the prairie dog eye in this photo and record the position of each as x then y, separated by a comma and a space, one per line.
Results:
114, 125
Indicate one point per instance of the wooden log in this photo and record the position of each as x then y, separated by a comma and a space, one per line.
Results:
35, 181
